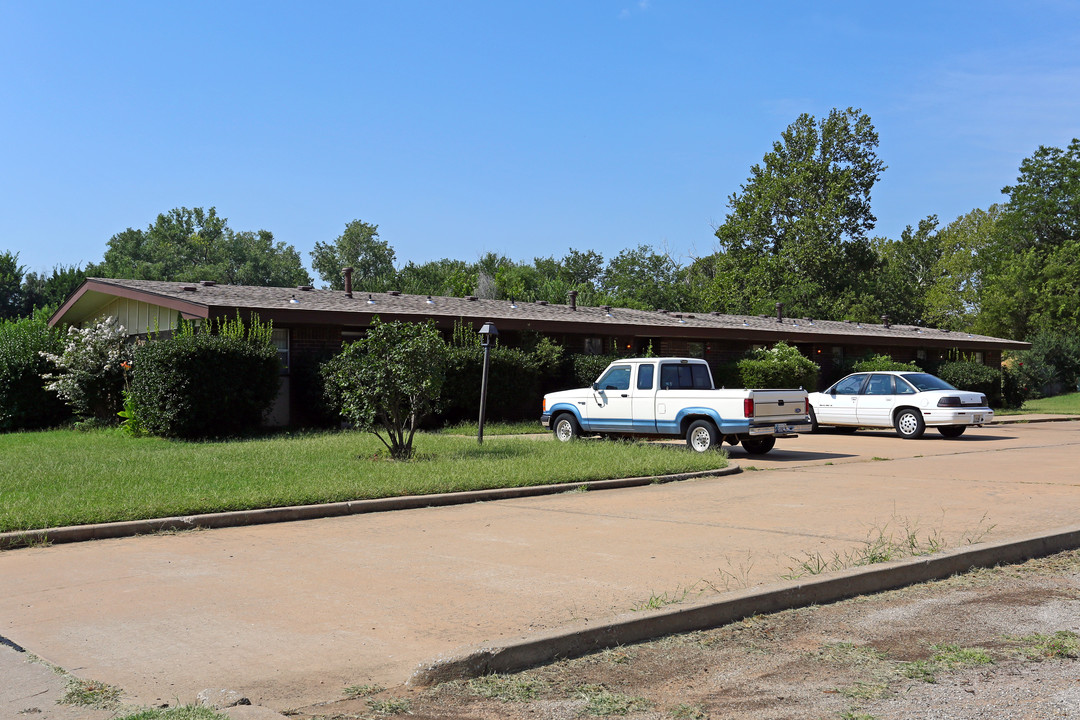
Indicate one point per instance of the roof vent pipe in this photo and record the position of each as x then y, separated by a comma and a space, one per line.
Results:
347, 272
779, 312
885, 321
573, 299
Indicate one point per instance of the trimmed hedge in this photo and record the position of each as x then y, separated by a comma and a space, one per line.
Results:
199, 384
880, 363
25, 404
517, 381
781, 366
972, 376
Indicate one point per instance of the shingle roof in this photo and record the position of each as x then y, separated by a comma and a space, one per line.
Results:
309, 303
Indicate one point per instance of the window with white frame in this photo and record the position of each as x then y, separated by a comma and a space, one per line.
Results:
280, 338
594, 346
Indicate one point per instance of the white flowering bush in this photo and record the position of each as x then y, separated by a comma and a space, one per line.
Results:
90, 372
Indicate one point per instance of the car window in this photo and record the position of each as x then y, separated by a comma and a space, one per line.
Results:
879, 385
617, 378
849, 385
644, 377
903, 387
926, 381
685, 377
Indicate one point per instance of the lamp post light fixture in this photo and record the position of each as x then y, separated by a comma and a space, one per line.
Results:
487, 332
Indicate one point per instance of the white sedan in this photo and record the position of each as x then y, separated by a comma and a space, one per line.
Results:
907, 401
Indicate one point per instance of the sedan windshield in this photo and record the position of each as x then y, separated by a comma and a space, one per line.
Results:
925, 381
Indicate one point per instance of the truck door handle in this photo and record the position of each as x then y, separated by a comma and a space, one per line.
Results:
624, 395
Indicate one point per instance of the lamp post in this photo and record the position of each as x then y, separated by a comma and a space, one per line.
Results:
487, 332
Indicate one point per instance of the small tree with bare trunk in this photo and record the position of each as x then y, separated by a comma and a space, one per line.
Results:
389, 380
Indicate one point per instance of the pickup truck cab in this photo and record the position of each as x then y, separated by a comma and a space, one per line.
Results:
675, 397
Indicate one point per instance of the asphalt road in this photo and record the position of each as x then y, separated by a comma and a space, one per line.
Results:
290, 614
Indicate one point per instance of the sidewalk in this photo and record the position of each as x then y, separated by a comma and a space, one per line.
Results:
290, 614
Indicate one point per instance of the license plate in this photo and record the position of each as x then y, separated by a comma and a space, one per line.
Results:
784, 429
976, 419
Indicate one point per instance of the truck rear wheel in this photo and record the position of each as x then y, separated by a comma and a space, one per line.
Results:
759, 445
701, 436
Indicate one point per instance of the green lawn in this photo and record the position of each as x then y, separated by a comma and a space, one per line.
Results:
469, 429
68, 477
1058, 405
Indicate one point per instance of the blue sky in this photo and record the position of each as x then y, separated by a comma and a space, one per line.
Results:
463, 127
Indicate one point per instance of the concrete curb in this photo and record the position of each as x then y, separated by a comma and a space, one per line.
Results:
1022, 420
636, 627
102, 531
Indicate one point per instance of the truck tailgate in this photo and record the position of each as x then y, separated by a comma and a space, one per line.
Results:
779, 405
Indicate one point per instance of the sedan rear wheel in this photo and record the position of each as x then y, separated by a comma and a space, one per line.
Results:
952, 431
909, 424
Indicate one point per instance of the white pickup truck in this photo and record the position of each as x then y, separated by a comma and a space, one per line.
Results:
675, 397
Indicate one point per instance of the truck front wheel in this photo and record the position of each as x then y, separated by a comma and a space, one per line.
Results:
701, 436
566, 428
758, 445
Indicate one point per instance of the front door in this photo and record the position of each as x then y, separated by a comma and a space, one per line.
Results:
839, 404
609, 409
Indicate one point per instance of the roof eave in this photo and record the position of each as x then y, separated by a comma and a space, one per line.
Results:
69, 311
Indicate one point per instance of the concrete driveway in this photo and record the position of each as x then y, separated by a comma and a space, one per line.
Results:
290, 614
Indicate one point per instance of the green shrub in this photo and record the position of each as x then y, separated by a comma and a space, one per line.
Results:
973, 376
1024, 375
211, 382
781, 366
587, 368
880, 363
25, 403
517, 378
91, 370
1060, 354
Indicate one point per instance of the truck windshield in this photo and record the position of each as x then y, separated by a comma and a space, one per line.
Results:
616, 378
685, 377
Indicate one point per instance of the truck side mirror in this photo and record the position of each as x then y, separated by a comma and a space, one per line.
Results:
596, 386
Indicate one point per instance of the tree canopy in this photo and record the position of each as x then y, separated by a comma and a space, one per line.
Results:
1031, 269
360, 248
196, 244
11, 278
797, 232
389, 380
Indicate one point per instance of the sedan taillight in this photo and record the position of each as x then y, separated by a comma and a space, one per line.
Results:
949, 402
984, 401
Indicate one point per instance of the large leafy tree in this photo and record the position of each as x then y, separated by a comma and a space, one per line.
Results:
955, 295
908, 271
49, 291
645, 279
389, 380
1032, 269
797, 232
196, 244
360, 248
11, 279
454, 278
